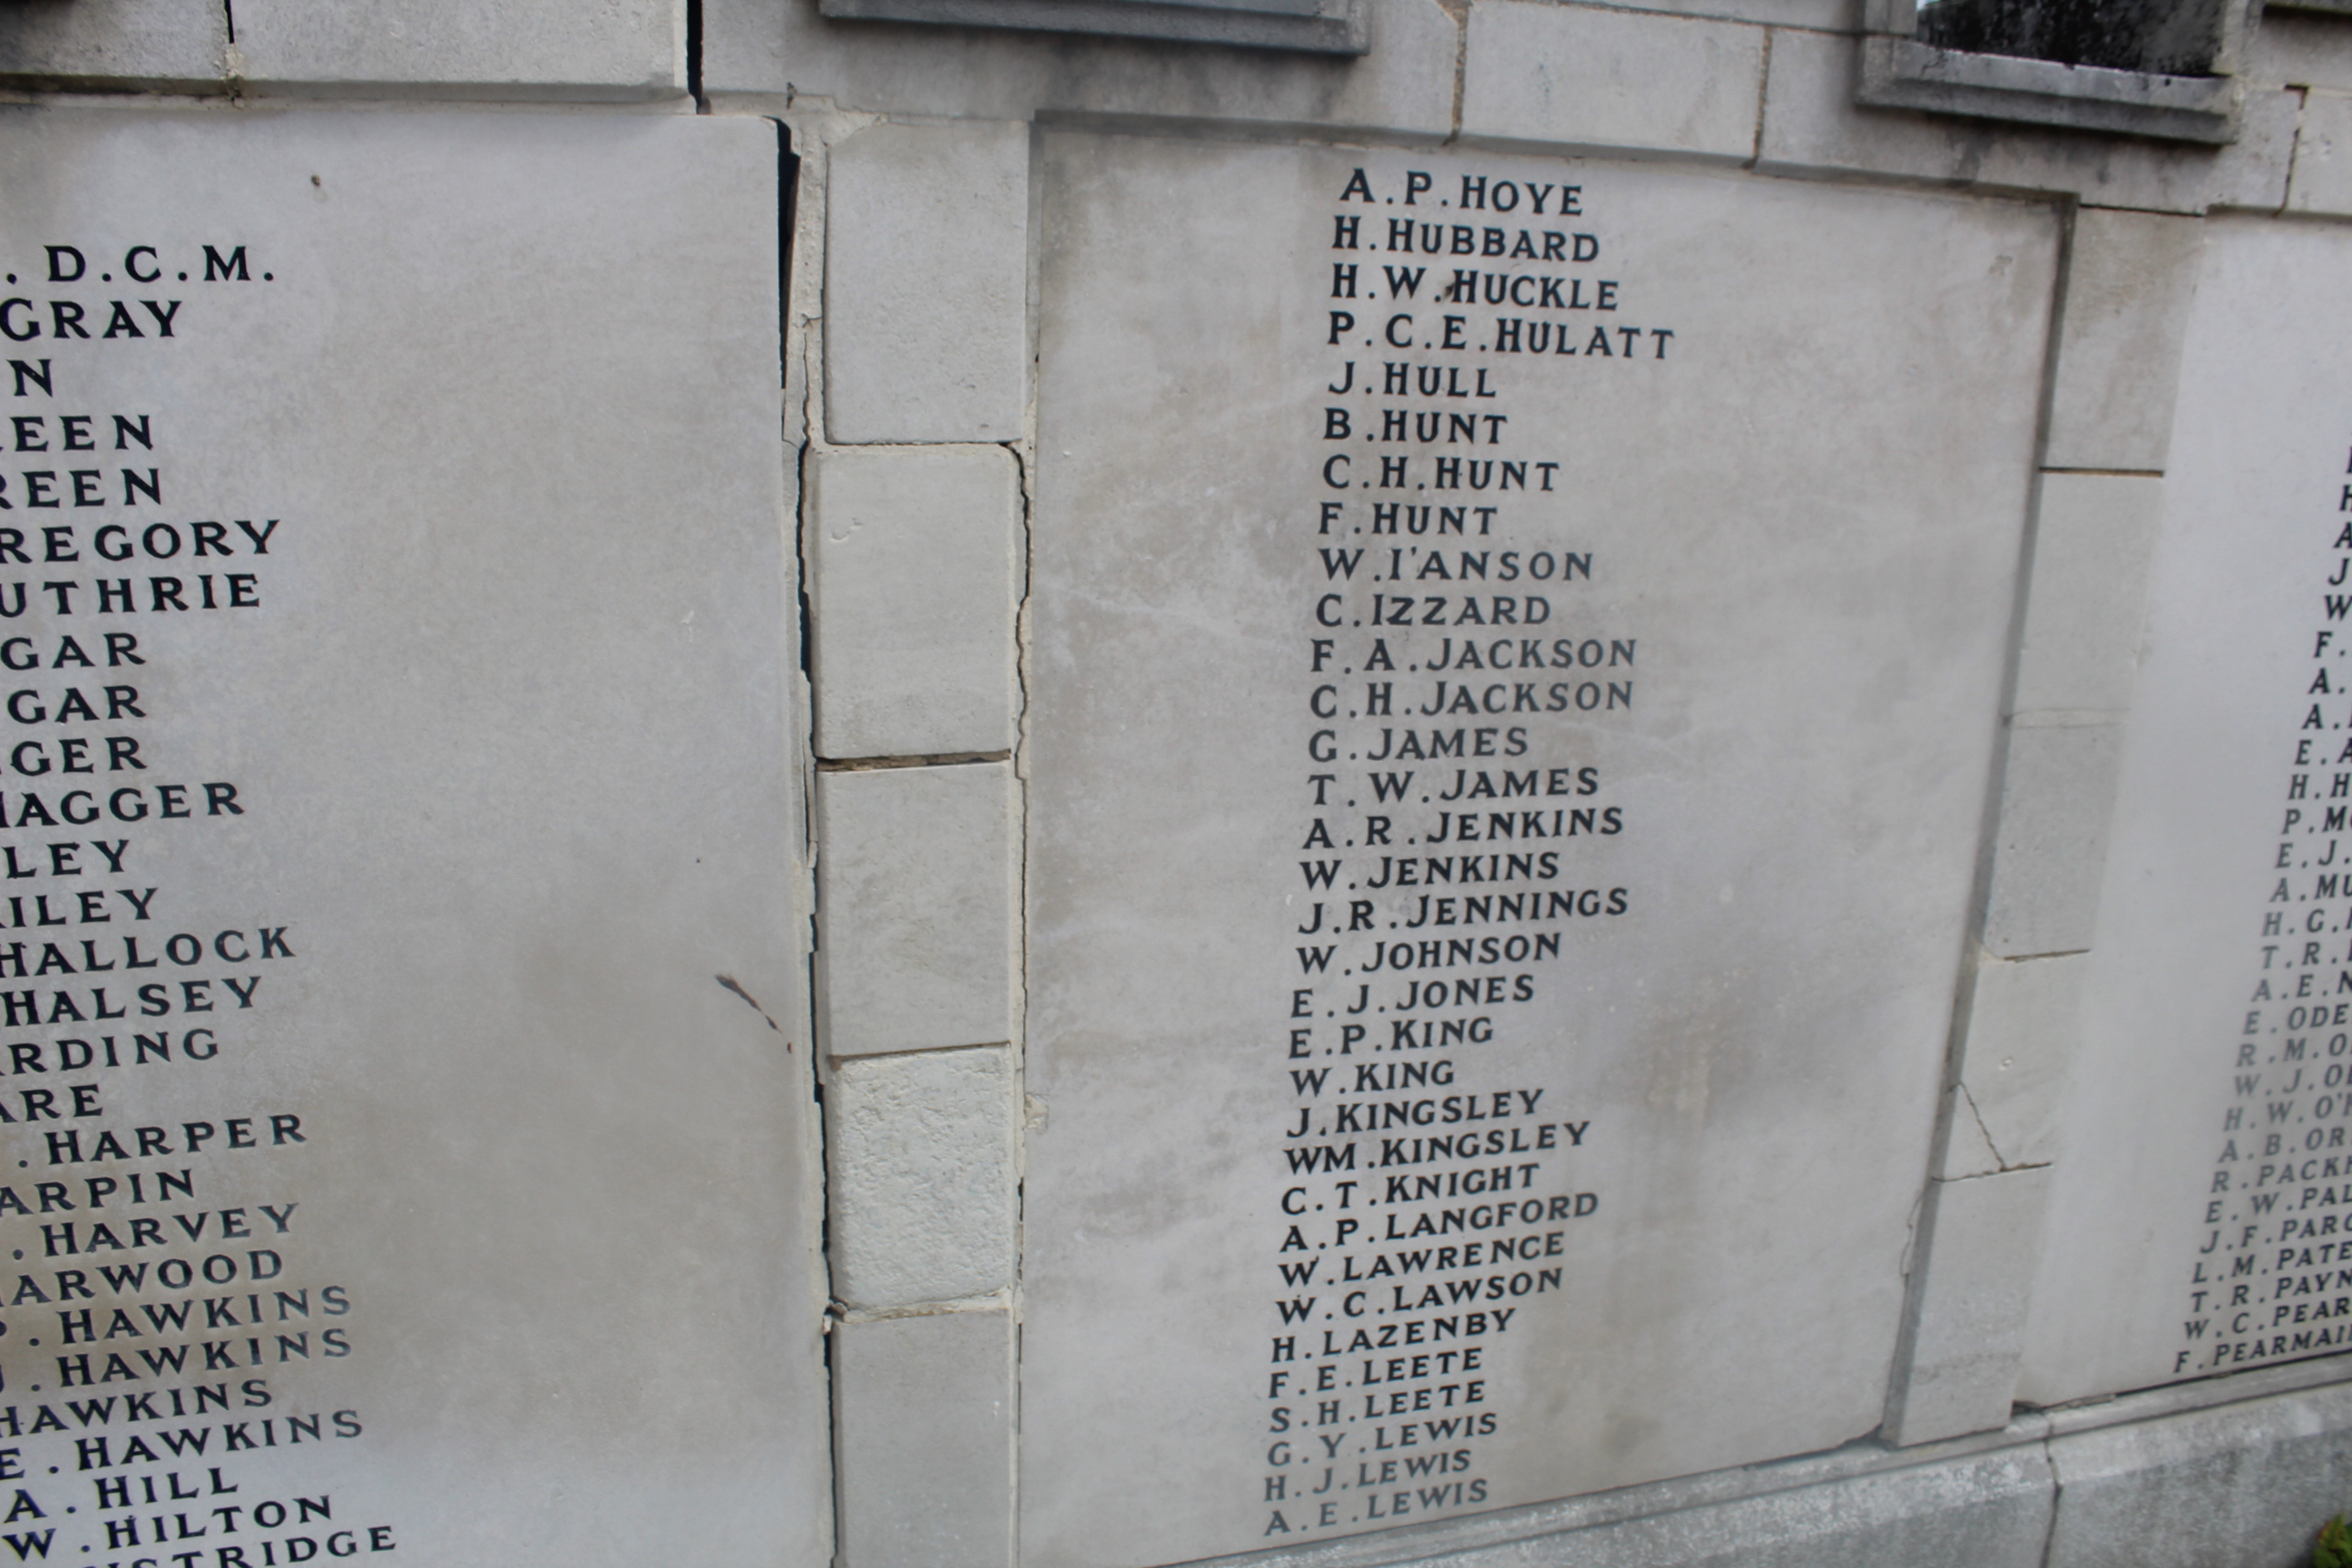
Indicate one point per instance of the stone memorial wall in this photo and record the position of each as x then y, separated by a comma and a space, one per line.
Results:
396, 976
797, 789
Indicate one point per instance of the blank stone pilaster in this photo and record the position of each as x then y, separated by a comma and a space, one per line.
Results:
926, 282
920, 1151
2128, 287
1980, 1240
914, 577
915, 908
2093, 545
923, 1441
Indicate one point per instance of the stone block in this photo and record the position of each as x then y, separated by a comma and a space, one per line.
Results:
2087, 594
2291, 49
1578, 76
914, 564
915, 906
162, 45
919, 1148
762, 56
2244, 1484
2057, 796
2023, 1023
2323, 157
927, 246
1818, 16
1812, 126
2128, 285
923, 1435
616, 50
1972, 1281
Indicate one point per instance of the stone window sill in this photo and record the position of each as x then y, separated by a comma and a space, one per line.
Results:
1898, 71
1314, 26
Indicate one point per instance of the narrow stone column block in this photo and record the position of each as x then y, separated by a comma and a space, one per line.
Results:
915, 908
920, 1153
2051, 845
926, 283
2322, 183
914, 573
1979, 1243
2128, 291
2023, 1024
2089, 592
923, 1437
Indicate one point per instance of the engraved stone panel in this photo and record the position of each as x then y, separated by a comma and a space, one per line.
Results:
2194, 1226
1514, 659
400, 1147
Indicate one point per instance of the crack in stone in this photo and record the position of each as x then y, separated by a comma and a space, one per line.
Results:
1997, 1157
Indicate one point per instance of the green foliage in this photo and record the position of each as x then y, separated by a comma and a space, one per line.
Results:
2334, 1547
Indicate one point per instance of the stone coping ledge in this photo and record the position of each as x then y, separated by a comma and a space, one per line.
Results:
1315, 27
1903, 73
1863, 1459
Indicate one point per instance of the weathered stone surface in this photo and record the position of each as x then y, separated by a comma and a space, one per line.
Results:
920, 1151
2024, 1018
620, 50
1974, 1266
1578, 76
2129, 281
161, 44
2246, 1483
2057, 798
